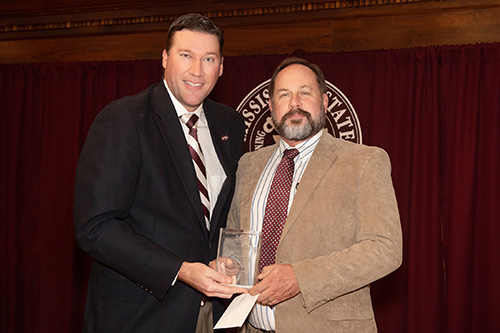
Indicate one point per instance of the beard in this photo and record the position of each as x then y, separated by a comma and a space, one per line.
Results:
299, 130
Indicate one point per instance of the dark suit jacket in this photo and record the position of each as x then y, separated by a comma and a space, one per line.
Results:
138, 213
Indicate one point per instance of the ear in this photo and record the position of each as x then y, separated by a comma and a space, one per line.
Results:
221, 67
325, 101
270, 104
164, 57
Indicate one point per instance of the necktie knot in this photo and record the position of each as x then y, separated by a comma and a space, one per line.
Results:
190, 119
290, 154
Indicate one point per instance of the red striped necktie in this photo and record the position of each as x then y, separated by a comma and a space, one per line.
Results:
199, 163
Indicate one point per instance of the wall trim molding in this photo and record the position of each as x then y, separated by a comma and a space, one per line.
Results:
125, 18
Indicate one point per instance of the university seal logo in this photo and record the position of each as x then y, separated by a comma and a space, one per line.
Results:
341, 119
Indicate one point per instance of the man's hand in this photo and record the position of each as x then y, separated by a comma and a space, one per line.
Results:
277, 284
227, 266
208, 281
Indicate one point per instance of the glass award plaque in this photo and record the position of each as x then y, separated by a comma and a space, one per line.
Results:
238, 256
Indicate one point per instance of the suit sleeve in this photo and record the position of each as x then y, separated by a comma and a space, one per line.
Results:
377, 247
241, 189
106, 179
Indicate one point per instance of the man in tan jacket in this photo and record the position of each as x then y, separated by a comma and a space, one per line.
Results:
340, 229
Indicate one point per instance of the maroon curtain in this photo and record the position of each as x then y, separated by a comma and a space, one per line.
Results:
46, 111
435, 110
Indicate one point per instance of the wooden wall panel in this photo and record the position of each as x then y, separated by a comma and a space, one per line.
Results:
277, 28
421, 29
95, 48
270, 39
279, 38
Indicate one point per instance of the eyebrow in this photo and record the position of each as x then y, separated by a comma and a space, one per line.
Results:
301, 87
191, 51
282, 90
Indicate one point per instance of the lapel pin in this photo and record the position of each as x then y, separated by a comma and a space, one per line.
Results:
225, 138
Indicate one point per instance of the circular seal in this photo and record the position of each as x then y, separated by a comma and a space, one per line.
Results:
341, 119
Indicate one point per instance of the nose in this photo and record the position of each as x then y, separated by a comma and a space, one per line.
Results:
196, 68
295, 101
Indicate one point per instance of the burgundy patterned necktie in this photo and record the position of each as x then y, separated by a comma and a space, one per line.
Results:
199, 163
277, 208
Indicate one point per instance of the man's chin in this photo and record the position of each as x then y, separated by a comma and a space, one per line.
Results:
298, 134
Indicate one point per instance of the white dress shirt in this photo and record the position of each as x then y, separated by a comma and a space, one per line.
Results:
215, 172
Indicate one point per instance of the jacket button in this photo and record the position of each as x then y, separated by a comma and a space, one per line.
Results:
210, 244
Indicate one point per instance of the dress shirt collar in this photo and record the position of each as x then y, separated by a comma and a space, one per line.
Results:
307, 145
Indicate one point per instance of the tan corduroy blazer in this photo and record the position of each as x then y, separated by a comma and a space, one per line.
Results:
343, 232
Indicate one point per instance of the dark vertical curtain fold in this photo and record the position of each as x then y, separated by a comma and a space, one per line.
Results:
471, 187
436, 110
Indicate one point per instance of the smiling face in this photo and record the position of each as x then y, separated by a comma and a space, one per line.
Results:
298, 108
192, 67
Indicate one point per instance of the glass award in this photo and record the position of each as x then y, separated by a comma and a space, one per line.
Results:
238, 256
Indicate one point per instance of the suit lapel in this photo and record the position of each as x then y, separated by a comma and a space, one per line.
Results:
219, 134
223, 142
173, 135
321, 161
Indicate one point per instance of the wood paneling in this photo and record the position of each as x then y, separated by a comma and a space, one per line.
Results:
261, 27
421, 29
238, 41
315, 36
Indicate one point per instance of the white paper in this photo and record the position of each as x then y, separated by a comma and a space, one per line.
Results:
237, 311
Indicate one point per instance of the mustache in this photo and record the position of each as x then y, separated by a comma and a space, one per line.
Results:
295, 111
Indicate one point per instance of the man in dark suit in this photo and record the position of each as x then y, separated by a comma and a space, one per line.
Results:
142, 209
